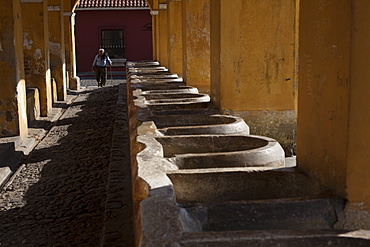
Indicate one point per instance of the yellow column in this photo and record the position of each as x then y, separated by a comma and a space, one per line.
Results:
324, 73
333, 122
13, 116
57, 47
162, 32
155, 25
196, 43
175, 36
358, 159
73, 81
253, 65
36, 52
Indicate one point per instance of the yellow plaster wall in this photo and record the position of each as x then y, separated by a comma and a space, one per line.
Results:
175, 37
358, 161
196, 43
255, 55
36, 52
13, 116
324, 85
253, 66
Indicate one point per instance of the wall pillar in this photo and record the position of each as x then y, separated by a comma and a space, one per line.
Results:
36, 52
196, 43
174, 9
333, 135
161, 31
13, 115
155, 26
253, 65
73, 81
324, 60
358, 160
57, 47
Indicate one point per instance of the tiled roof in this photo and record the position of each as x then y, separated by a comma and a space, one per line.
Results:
112, 4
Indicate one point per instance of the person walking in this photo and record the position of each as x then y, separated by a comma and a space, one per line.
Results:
99, 67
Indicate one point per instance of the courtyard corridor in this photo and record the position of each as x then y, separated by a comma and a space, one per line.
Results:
65, 193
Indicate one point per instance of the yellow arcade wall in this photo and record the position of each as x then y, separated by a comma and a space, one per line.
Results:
253, 67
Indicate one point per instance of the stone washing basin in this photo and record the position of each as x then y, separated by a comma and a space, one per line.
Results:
181, 112
220, 151
145, 69
148, 72
155, 80
299, 211
165, 98
200, 124
173, 101
184, 89
154, 76
142, 64
164, 86
223, 185
160, 86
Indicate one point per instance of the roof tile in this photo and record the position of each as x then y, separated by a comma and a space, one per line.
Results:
112, 4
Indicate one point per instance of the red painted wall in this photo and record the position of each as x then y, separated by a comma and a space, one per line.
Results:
138, 43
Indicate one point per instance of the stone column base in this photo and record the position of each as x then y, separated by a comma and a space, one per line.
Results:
74, 83
355, 216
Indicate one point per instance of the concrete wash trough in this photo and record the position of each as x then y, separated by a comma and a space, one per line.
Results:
164, 89
173, 101
263, 199
140, 64
218, 151
154, 76
156, 80
146, 69
200, 124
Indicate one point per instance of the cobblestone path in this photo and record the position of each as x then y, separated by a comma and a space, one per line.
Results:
58, 196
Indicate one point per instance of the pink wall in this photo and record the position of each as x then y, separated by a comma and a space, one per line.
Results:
88, 23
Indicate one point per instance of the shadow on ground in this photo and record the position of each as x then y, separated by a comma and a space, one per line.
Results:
58, 197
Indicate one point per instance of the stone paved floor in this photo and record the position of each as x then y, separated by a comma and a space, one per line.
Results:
58, 196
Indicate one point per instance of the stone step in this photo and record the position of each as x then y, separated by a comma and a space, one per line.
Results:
280, 214
305, 238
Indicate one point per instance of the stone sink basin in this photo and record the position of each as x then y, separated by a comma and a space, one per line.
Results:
255, 199
142, 64
164, 98
200, 124
225, 185
221, 151
145, 69
178, 89
154, 76
173, 101
156, 80
148, 72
